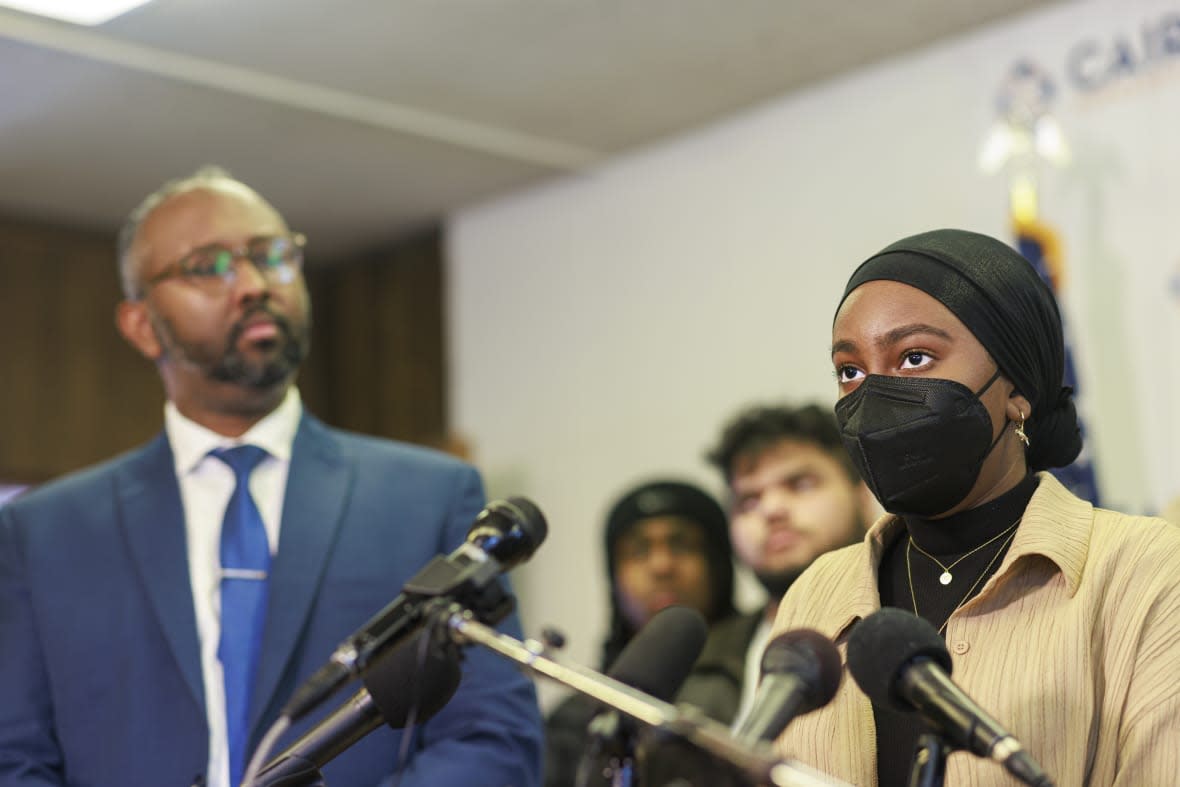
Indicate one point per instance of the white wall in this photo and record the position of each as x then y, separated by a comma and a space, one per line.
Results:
604, 326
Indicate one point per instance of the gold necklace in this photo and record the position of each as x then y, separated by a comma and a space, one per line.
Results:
945, 578
967, 595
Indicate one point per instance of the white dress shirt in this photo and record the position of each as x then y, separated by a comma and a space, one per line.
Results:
206, 484
753, 672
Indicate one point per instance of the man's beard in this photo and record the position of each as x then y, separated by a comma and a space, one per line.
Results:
232, 365
776, 584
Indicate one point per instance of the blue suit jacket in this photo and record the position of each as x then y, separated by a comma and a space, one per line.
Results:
100, 676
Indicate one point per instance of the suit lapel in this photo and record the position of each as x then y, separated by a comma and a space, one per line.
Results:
153, 525
318, 484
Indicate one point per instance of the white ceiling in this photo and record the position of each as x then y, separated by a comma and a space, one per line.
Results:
362, 119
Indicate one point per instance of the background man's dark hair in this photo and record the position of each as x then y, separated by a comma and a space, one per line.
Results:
757, 428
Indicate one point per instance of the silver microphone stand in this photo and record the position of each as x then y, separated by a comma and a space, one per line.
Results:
758, 761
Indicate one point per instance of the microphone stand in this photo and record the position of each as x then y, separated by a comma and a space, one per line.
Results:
612, 750
296, 773
613, 753
298, 765
300, 768
757, 760
929, 766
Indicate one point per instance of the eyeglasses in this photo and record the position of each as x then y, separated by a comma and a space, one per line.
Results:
278, 258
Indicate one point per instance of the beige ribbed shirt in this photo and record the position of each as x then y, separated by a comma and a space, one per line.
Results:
1073, 645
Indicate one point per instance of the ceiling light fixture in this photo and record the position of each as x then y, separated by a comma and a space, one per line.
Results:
80, 12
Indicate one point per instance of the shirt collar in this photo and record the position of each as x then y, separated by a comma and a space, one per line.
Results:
864, 598
1056, 525
191, 442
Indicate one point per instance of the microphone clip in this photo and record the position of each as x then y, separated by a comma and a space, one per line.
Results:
473, 586
928, 768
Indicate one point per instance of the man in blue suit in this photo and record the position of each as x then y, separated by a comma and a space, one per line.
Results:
120, 607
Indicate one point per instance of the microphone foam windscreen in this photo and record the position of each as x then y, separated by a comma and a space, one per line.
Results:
409, 680
509, 530
883, 644
659, 657
812, 657
529, 519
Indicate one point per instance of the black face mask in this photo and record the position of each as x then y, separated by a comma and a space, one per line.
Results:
918, 442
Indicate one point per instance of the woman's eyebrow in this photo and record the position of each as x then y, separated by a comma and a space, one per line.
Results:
893, 336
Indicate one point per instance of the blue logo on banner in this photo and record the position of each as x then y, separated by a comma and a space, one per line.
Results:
1095, 64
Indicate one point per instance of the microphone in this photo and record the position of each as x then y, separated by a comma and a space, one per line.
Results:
504, 534
660, 656
656, 661
801, 671
900, 661
403, 683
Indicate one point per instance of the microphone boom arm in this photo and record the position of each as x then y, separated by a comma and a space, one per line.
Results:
757, 760
465, 576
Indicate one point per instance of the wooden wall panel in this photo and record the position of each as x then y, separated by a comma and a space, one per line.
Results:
72, 392
378, 349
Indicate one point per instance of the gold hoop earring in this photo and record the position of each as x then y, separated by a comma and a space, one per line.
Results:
1020, 433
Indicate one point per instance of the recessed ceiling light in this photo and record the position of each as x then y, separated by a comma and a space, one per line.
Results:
81, 12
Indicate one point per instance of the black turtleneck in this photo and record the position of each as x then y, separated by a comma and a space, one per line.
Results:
947, 540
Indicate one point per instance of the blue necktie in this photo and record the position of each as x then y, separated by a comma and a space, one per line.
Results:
245, 560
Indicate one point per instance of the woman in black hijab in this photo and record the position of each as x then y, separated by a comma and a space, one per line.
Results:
949, 356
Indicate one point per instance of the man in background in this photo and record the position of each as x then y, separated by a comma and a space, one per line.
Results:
794, 495
667, 543
157, 610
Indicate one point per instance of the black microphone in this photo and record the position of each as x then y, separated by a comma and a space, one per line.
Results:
900, 661
660, 656
416, 679
504, 534
657, 660
801, 671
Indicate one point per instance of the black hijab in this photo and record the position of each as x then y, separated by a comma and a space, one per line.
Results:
1002, 300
